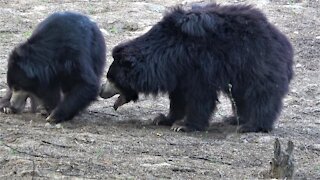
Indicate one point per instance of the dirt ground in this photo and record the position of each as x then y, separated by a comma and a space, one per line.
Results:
105, 144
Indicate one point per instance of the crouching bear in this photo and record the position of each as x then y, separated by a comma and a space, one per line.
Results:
61, 65
195, 54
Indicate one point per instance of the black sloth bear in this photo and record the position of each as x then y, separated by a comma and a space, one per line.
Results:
61, 64
194, 54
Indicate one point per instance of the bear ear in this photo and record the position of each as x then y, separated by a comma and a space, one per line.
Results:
197, 23
17, 54
125, 55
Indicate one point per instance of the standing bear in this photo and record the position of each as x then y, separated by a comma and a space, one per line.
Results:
194, 54
60, 66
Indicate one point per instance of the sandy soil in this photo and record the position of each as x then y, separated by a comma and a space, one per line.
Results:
104, 144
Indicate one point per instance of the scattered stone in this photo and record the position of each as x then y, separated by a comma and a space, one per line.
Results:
316, 147
265, 139
48, 125
156, 165
58, 126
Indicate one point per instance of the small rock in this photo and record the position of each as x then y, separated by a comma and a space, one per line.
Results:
265, 139
39, 8
318, 37
58, 126
155, 165
48, 125
159, 134
296, 32
294, 90
298, 65
316, 147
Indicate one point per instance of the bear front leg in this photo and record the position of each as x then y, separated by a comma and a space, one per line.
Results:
73, 102
176, 112
200, 105
49, 99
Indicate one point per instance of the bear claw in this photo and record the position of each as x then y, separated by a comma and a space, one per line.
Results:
51, 119
7, 110
180, 128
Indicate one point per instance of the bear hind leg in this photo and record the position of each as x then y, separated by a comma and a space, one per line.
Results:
261, 113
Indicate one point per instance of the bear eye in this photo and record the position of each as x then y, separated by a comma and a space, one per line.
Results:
126, 63
16, 88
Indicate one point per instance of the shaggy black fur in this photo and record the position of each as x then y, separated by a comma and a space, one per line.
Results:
64, 55
194, 54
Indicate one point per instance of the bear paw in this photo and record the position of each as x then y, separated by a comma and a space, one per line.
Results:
162, 120
246, 128
8, 110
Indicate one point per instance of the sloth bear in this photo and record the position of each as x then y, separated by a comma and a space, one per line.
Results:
194, 54
61, 64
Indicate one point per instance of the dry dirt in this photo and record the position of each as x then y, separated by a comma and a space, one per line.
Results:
104, 144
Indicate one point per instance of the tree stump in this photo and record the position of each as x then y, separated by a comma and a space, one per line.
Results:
282, 166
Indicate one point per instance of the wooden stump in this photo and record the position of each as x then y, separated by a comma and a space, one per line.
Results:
282, 166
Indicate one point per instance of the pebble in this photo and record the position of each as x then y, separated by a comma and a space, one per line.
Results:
265, 139
316, 147
155, 165
58, 126
48, 125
